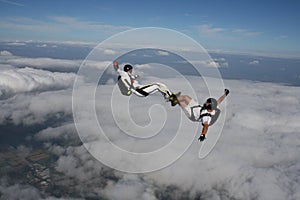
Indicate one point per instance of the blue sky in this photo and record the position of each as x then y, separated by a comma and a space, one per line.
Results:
266, 27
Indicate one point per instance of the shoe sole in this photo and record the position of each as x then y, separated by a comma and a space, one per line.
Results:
174, 103
173, 98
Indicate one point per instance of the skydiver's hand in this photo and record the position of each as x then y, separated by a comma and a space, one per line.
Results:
202, 137
226, 92
115, 63
137, 76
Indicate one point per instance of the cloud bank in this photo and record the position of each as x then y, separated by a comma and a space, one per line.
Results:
14, 81
51, 64
257, 156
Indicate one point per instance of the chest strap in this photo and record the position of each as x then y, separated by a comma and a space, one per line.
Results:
205, 115
192, 113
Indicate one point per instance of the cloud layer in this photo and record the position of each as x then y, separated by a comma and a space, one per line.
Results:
257, 156
14, 81
61, 65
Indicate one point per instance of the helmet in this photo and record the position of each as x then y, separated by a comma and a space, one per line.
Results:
212, 104
127, 68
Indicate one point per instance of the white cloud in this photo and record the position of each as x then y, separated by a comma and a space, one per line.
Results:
43, 63
252, 152
257, 155
58, 24
51, 64
42, 45
220, 59
5, 53
16, 43
205, 63
209, 29
14, 81
246, 33
30, 109
65, 131
54, 44
109, 52
75, 23
129, 187
254, 62
162, 53
222, 62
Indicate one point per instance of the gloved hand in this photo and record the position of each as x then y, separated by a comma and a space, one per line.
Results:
115, 63
202, 137
226, 92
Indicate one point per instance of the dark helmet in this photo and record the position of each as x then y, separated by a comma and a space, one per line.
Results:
127, 68
212, 104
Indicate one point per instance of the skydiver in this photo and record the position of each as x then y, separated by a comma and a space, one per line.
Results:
207, 113
128, 84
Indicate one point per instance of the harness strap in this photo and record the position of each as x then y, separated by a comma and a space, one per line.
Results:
201, 116
192, 113
205, 115
213, 117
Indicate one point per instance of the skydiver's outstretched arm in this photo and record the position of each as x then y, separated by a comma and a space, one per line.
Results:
226, 92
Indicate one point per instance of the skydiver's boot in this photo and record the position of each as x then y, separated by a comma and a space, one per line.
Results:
173, 98
167, 95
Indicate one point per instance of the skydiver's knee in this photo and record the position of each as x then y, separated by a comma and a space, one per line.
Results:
185, 97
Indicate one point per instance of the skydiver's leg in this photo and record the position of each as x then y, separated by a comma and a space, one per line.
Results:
155, 87
184, 100
187, 104
139, 93
145, 90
